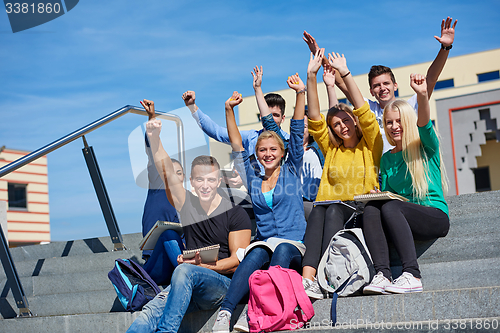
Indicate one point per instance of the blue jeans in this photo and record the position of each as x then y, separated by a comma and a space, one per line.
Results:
163, 260
192, 288
285, 255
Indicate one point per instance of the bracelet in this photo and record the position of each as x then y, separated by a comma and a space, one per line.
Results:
343, 76
446, 48
302, 91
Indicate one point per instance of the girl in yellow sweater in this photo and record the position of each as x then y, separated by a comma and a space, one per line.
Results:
352, 144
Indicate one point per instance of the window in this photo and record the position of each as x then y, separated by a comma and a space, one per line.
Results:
17, 195
444, 84
482, 177
396, 93
495, 75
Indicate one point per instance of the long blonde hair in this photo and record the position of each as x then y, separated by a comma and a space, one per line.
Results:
412, 149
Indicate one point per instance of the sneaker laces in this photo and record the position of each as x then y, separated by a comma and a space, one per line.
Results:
378, 278
401, 280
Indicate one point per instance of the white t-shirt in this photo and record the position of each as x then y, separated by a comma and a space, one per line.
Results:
311, 174
375, 107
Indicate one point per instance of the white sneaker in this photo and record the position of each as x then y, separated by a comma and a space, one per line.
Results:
406, 283
222, 323
242, 323
378, 284
312, 288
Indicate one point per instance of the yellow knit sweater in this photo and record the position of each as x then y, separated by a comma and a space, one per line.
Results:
349, 171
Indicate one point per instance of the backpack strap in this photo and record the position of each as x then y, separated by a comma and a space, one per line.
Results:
301, 296
333, 309
277, 278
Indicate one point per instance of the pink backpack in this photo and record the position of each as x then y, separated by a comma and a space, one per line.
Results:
277, 300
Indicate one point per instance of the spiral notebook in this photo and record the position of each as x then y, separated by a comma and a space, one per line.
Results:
386, 195
149, 241
208, 254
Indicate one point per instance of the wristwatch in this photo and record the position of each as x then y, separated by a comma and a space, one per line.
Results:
446, 48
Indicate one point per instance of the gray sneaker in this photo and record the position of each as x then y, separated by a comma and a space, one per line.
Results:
242, 323
312, 288
222, 323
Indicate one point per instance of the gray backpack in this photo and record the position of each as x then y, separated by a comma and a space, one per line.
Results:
346, 266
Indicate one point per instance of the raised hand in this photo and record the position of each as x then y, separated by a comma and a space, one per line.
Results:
149, 106
447, 32
329, 76
234, 100
295, 83
418, 83
315, 61
311, 42
153, 128
338, 62
257, 77
189, 97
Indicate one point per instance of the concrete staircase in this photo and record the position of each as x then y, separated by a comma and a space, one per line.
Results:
67, 286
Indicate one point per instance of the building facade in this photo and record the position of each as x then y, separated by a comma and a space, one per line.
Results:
26, 194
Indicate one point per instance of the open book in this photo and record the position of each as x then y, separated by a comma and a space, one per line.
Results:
329, 202
208, 254
386, 195
149, 241
271, 243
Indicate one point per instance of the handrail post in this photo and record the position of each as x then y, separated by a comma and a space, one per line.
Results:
102, 196
13, 278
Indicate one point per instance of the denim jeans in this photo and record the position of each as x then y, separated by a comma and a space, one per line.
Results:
192, 288
285, 255
163, 260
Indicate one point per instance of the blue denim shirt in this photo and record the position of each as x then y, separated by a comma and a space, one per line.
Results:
219, 133
310, 177
286, 218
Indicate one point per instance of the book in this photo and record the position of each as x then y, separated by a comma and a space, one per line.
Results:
271, 243
208, 254
329, 202
149, 241
386, 195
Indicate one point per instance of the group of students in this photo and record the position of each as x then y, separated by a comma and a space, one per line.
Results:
271, 164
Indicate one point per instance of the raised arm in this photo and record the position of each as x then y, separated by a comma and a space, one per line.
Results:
313, 47
312, 85
419, 85
446, 40
232, 128
295, 83
339, 62
259, 95
176, 193
329, 80
207, 125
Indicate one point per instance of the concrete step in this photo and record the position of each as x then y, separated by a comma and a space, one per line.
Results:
119, 322
74, 264
74, 248
67, 283
443, 310
474, 231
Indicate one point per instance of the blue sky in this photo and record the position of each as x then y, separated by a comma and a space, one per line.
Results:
102, 55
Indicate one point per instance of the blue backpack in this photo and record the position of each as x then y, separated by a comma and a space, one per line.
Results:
132, 284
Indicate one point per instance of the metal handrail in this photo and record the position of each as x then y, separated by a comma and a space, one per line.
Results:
92, 126
5, 255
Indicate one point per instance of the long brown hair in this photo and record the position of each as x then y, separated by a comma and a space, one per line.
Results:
334, 138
